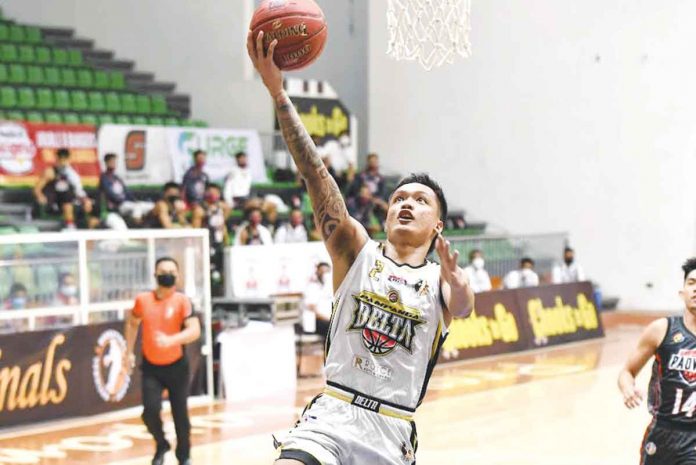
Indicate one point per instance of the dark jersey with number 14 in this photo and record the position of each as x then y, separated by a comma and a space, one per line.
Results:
672, 396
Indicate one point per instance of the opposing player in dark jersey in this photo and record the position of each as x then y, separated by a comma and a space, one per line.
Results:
671, 436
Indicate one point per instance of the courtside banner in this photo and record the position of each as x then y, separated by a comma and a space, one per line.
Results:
26, 149
522, 319
221, 145
56, 374
143, 157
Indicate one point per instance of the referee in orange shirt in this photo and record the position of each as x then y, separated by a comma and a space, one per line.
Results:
168, 324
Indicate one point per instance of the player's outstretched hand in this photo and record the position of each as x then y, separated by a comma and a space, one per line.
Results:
449, 271
632, 397
264, 64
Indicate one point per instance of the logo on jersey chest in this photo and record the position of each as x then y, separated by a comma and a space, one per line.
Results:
685, 363
384, 322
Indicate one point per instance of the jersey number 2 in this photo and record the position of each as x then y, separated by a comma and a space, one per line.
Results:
688, 407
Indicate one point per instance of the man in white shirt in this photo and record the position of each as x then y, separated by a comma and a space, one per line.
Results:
524, 277
479, 281
238, 183
252, 232
318, 300
569, 271
293, 231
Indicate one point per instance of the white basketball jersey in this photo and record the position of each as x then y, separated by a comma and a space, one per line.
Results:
386, 330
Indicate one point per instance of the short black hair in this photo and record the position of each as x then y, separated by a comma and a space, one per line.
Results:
689, 266
250, 210
320, 264
426, 180
198, 152
62, 276
213, 185
526, 260
17, 287
109, 156
474, 252
166, 259
63, 153
240, 154
171, 185
568, 249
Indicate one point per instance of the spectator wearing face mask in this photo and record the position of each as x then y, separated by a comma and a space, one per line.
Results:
169, 211
195, 180
238, 182
212, 214
569, 271
252, 232
118, 199
524, 277
66, 295
16, 300
479, 281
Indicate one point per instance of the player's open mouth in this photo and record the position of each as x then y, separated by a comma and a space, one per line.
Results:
405, 216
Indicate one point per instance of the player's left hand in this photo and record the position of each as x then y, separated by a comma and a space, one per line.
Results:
450, 272
163, 340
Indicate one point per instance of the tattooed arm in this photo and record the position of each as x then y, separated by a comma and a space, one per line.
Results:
343, 236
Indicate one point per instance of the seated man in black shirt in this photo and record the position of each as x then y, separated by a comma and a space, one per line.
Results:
118, 200
169, 211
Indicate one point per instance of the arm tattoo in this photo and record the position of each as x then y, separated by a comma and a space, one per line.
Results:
329, 206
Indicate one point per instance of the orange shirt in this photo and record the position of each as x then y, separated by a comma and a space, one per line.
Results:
161, 315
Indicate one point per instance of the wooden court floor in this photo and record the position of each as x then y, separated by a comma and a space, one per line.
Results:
556, 406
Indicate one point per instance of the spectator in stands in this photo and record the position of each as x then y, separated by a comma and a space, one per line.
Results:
318, 300
292, 231
362, 208
67, 290
237, 186
477, 274
212, 214
169, 211
372, 178
569, 271
60, 190
118, 200
524, 277
16, 300
195, 180
252, 232
344, 179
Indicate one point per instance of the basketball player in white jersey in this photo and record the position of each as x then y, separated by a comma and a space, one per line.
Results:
391, 308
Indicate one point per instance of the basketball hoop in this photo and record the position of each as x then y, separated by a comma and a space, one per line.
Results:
430, 31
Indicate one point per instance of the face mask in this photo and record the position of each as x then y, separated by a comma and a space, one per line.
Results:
568, 260
69, 291
527, 273
478, 263
166, 280
200, 163
212, 197
172, 198
19, 303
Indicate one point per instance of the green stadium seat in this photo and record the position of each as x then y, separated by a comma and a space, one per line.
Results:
140, 120
96, 102
33, 34
200, 124
26, 97
17, 33
71, 118
78, 100
75, 57
106, 119
4, 33
171, 122
113, 103
35, 117
85, 78
159, 104
187, 123
101, 80
155, 121
9, 52
4, 75
8, 97
68, 78
128, 103
16, 116
123, 119
18, 74
60, 57
52, 76
26, 54
142, 104
53, 117
118, 80
43, 55
35, 75
87, 118
44, 99
61, 100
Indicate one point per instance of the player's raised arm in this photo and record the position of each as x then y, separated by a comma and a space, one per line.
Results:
649, 341
344, 237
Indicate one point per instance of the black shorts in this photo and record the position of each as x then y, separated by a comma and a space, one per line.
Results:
665, 444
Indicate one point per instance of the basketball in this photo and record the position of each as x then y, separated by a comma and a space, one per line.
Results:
298, 25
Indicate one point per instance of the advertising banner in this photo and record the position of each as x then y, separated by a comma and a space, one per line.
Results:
521, 319
45, 375
26, 149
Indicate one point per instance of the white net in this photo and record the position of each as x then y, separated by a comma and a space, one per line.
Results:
430, 31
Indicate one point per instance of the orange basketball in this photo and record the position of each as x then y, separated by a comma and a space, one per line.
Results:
299, 26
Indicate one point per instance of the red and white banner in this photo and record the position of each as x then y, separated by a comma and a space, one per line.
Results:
26, 149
